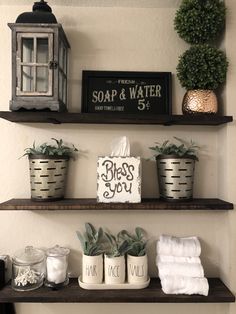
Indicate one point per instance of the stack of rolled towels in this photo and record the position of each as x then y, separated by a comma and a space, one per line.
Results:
179, 266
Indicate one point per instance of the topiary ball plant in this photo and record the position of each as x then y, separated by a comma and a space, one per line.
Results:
202, 67
200, 21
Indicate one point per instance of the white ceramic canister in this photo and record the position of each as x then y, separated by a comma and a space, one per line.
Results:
57, 266
92, 269
114, 270
137, 269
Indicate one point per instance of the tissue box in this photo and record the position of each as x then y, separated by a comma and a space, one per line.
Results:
119, 179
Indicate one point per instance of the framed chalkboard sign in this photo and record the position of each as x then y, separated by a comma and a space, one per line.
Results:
126, 92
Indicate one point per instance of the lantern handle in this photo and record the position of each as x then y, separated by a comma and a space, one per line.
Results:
53, 65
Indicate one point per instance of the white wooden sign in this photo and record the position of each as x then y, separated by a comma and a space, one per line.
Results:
119, 180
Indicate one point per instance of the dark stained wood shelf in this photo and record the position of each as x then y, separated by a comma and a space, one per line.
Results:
92, 204
98, 118
218, 293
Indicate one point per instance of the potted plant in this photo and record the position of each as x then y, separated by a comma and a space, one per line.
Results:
48, 169
92, 263
175, 169
114, 262
137, 262
201, 70
198, 21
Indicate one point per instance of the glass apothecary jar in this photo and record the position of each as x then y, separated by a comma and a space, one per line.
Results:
28, 269
57, 266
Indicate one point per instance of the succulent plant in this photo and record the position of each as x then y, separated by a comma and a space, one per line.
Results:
200, 21
202, 67
91, 240
118, 247
136, 242
184, 149
60, 149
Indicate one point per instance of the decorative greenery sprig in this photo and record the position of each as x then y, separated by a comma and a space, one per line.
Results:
51, 150
200, 21
136, 242
118, 247
91, 240
202, 67
184, 149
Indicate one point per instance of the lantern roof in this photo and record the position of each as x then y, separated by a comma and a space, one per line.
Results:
41, 13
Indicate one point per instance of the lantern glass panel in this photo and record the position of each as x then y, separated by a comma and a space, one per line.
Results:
42, 50
42, 79
27, 75
62, 72
64, 90
27, 54
63, 57
60, 85
64, 60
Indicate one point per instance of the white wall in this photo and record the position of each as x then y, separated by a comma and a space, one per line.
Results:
137, 36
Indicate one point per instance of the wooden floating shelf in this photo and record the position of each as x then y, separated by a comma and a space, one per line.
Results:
106, 118
92, 204
218, 293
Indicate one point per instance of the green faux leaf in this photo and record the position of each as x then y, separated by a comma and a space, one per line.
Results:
92, 240
99, 234
123, 247
184, 149
123, 234
93, 251
109, 237
139, 232
51, 150
142, 252
135, 243
90, 230
80, 237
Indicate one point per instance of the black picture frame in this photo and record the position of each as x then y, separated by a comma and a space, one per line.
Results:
126, 92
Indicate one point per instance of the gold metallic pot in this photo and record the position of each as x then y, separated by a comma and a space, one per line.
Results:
199, 101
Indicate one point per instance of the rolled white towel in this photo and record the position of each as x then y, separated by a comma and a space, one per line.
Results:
174, 246
184, 285
177, 259
180, 269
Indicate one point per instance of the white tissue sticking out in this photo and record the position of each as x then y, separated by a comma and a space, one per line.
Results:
120, 147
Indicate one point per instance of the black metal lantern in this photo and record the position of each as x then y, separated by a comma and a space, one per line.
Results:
39, 61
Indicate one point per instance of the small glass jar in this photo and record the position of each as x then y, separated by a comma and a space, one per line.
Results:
28, 269
57, 267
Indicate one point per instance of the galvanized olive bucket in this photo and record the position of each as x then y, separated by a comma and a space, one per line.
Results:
175, 177
48, 177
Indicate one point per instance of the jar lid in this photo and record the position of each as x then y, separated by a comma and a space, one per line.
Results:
29, 255
58, 251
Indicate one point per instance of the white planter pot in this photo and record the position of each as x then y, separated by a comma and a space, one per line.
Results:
92, 269
114, 270
137, 268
